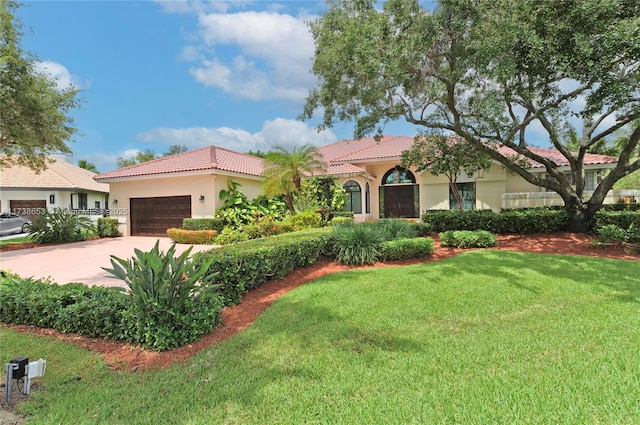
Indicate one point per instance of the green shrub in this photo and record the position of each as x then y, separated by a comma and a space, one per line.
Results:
198, 237
249, 264
338, 221
107, 227
305, 220
532, 220
62, 226
403, 249
212, 223
468, 238
230, 236
392, 229
622, 219
357, 244
95, 312
173, 299
348, 214
421, 228
611, 233
522, 221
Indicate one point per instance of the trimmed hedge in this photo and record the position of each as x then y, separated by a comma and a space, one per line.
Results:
198, 237
249, 264
468, 239
623, 219
211, 223
107, 227
404, 249
74, 307
534, 220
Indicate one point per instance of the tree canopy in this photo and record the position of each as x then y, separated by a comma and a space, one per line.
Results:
489, 71
35, 118
149, 155
445, 155
86, 165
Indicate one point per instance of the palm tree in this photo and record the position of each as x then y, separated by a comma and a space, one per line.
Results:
286, 168
83, 163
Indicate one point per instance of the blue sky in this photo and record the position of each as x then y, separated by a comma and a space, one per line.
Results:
189, 72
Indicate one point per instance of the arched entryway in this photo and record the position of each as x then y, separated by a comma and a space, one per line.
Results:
399, 194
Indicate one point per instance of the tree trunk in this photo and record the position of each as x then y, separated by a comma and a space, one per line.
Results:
577, 220
288, 199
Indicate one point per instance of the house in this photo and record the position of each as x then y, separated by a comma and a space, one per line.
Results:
153, 196
61, 185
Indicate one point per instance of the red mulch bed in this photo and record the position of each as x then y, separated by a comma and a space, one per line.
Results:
125, 356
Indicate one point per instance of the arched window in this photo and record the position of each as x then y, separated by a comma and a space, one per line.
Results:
354, 197
398, 175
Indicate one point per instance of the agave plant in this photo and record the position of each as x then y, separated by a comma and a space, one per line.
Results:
159, 281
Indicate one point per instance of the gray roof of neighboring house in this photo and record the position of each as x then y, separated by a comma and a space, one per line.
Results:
59, 175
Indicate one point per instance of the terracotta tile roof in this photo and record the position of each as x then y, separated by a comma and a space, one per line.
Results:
557, 158
207, 158
366, 149
346, 169
58, 175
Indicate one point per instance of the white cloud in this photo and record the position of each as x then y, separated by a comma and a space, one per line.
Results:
64, 79
196, 137
192, 6
287, 133
280, 131
274, 55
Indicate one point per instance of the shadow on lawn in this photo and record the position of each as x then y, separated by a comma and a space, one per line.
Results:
617, 276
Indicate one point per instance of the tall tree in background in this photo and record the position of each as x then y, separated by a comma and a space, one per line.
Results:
86, 165
449, 156
35, 118
489, 71
284, 170
148, 155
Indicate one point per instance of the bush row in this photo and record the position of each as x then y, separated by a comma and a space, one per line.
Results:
237, 268
468, 239
211, 223
523, 221
535, 220
198, 237
107, 227
100, 312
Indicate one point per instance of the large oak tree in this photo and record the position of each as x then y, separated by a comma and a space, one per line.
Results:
35, 118
489, 71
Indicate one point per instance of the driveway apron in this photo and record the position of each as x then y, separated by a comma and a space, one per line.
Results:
82, 261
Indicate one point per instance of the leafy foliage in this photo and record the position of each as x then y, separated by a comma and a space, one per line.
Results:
489, 70
357, 244
35, 118
62, 225
404, 249
249, 264
396, 229
192, 236
468, 238
284, 171
173, 299
107, 227
534, 220
148, 155
450, 156
203, 224
305, 220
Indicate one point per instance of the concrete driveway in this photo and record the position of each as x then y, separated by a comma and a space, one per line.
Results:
82, 261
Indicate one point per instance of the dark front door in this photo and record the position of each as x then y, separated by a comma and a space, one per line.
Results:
153, 216
399, 201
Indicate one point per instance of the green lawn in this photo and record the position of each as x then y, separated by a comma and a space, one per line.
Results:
486, 337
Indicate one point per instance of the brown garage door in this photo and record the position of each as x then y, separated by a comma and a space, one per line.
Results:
153, 216
28, 209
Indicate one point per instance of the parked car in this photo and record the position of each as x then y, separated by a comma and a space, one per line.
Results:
13, 223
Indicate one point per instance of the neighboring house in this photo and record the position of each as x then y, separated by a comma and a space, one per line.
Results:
150, 197
61, 185
153, 196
